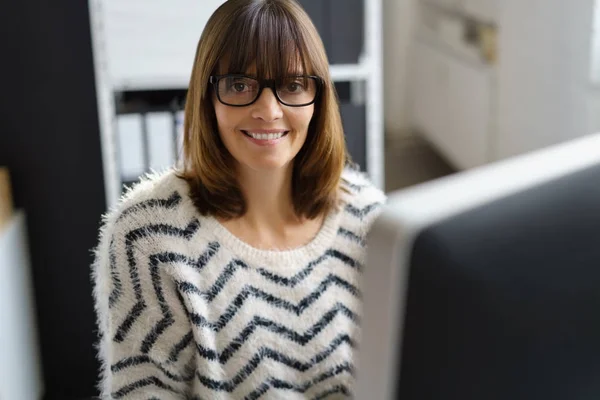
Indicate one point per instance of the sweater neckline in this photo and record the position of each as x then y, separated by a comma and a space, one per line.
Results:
316, 247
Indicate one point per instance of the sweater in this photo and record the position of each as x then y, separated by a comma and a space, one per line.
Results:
186, 310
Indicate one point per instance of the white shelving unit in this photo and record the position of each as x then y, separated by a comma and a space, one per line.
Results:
537, 92
150, 45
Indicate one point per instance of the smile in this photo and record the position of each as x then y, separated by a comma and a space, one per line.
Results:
265, 136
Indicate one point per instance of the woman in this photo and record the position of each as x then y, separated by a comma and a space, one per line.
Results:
237, 275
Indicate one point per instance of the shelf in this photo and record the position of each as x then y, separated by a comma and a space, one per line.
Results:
126, 60
339, 73
150, 83
462, 54
484, 13
349, 72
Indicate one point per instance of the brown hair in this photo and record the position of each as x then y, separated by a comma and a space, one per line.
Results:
275, 36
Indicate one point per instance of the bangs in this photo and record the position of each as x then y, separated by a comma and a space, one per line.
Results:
265, 39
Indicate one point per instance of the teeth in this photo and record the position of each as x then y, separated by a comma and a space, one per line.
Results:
266, 136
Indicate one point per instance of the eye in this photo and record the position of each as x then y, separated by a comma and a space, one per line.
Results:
239, 86
294, 86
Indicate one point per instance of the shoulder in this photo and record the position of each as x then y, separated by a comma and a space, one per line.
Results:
155, 212
155, 198
359, 190
361, 199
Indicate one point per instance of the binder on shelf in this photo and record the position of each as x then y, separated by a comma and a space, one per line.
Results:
355, 130
341, 26
179, 134
159, 127
318, 11
346, 24
6, 200
130, 140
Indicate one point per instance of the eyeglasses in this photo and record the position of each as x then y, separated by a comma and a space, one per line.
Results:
241, 90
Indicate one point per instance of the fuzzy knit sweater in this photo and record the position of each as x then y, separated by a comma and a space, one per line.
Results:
186, 310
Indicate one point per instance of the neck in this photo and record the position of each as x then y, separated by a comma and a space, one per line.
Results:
268, 196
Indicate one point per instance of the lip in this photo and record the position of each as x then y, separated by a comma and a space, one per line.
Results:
265, 143
265, 130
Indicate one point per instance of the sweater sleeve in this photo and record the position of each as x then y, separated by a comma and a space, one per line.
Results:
146, 344
365, 201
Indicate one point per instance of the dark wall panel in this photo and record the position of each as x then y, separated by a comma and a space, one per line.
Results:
49, 138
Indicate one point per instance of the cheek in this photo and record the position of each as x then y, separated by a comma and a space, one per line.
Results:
221, 116
225, 118
302, 118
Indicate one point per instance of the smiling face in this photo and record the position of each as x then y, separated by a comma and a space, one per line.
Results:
266, 39
265, 135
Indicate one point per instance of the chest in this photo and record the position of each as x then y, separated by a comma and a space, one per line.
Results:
284, 237
297, 324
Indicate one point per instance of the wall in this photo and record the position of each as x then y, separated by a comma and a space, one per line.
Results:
398, 25
18, 336
50, 140
543, 76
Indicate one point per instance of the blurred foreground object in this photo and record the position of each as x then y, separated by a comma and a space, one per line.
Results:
484, 284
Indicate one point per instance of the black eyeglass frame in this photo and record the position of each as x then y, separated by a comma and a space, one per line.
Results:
265, 83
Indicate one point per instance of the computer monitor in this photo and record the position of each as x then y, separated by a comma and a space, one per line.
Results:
486, 284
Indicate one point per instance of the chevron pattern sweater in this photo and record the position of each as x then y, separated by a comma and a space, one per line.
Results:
188, 311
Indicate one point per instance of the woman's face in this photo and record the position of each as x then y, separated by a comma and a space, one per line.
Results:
265, 135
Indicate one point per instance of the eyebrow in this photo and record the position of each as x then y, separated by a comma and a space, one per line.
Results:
289, 74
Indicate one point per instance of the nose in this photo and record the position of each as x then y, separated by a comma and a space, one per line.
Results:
267, 107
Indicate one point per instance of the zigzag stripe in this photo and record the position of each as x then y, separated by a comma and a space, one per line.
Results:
116, 281
202, 322
336, 389
231, 268
129, 362
132, 316
155, 332
351, 235
150, 230
299, 277
181, 302
172, 202
353, 186
130, 239
276, 383
362, 212
234, 347
252, 291
269, 325
230, 386
169, 257
167, 319
180, 346
142, 383
222, 280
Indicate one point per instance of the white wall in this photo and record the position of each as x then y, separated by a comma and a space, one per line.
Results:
543, 75
151, 44
398, 23
20, 361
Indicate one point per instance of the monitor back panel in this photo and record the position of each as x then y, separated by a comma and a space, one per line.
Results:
504, 300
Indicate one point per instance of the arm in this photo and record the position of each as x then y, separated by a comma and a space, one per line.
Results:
146, 345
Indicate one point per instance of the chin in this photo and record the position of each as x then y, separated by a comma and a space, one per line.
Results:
268, 165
